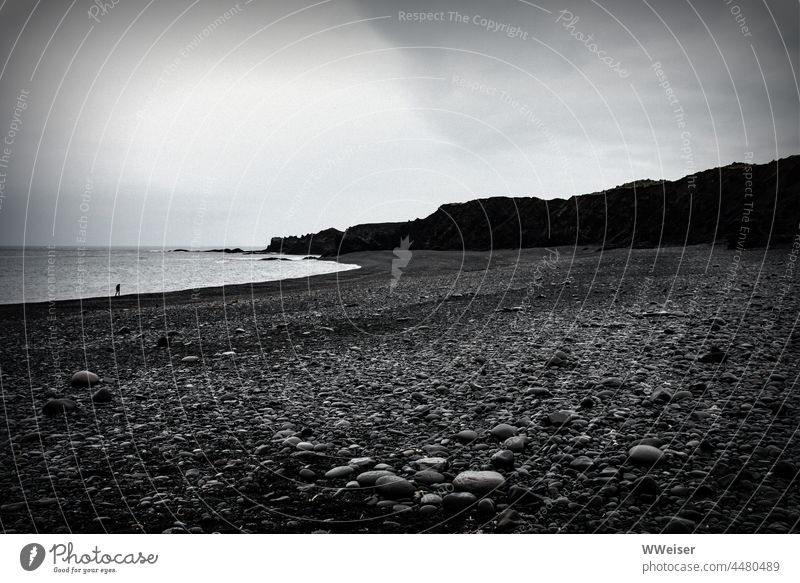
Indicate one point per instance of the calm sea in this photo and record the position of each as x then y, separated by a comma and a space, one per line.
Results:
38, 274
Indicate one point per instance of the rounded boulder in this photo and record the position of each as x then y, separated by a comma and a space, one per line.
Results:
84, 378
645, 455
478, 482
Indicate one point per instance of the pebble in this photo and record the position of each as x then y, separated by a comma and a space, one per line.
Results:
102, 395
13, 507
516, 444
503, 431
479, 482
785, 469
59, 406
581, 463
394, 487
485, 509
646, 485
339, 472
428, 510
190, 359
715, 356
466, 436
431, 463
661, 396
367, 479
509, 520
679, 491
307, 474
458, 501
434, 499
645, 455
559, 418
361, 462
612, 382
84, 378
503, 459
429, 477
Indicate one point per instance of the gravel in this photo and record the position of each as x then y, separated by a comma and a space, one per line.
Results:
632, 391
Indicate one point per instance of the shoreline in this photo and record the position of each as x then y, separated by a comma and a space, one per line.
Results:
372, 264
194, 294
127, 300
190, 293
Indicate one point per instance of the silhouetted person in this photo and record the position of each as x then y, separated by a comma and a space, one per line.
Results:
117, 292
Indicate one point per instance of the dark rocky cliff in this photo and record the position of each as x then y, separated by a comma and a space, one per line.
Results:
740, 204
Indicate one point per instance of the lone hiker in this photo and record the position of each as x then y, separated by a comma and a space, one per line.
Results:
117, 292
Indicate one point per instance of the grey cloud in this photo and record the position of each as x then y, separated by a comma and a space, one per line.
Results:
182, 131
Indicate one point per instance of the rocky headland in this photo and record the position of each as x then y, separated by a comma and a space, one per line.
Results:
742, 205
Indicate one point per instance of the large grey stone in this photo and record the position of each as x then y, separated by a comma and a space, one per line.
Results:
503, 459
478, 482
503, 431
428, 477
102, 395
367, 479
436, 464
394, 487
466, 436
516, 443
645, 455
458, 501
339, 472
59, 406
84, 378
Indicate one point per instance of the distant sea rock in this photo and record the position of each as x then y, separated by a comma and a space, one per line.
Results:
226, 250
236, 251
741, 204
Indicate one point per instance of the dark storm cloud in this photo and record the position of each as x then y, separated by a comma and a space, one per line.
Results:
211, 123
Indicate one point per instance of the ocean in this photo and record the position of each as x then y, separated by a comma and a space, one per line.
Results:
40, 274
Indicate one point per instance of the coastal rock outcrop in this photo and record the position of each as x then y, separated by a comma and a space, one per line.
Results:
700, 208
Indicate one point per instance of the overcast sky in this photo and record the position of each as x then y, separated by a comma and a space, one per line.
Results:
203, 123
